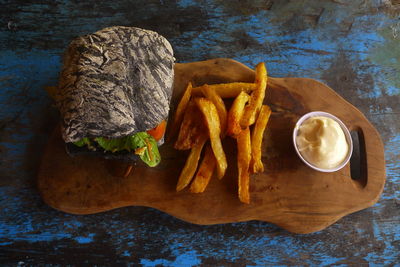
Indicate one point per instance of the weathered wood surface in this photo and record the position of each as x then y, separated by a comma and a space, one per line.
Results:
288, 194
353, 46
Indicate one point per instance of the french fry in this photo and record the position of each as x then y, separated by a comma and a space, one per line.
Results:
235, 114
191, 128
214, 128
202, 114
219, 104
243, 161
205, 172
256, 98
180, 110
256, 164
191, 165
227, 90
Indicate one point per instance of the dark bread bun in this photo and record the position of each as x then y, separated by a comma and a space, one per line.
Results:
114, 83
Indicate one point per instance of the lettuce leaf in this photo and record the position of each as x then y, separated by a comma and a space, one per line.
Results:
113, 145
82, 142
151, 155
143, 144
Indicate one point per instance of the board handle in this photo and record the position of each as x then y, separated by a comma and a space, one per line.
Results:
367, 164
358, 160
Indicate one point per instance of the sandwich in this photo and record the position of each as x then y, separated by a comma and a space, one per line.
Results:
114, 94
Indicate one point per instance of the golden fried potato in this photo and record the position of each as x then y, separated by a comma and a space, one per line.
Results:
243, 162
227, 90
219, 104
191, 128
235, 114
191, 164
202, 114
256, 98
214, 128
180, 110
256, 164
205, 172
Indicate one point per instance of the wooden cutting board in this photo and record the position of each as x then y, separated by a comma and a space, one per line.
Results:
288, 194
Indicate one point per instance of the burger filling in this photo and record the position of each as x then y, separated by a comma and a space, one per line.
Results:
142, 144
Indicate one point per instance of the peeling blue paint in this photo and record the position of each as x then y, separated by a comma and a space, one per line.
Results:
185, 3
189, 258
126, 253
85, 239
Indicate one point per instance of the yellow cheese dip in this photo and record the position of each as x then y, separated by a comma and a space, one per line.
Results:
321, 142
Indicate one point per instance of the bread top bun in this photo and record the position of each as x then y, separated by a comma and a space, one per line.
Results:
114, 83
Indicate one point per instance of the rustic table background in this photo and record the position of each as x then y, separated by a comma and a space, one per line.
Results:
353, 46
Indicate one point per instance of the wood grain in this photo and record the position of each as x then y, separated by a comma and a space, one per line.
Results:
288, 193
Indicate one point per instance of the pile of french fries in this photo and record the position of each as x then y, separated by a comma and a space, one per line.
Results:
202, 116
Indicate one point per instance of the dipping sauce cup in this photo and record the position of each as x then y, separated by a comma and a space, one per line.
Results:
345, 132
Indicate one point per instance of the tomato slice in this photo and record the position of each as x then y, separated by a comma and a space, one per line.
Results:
158, 131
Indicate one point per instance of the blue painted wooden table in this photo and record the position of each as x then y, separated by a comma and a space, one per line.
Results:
353, 46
